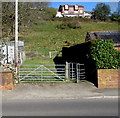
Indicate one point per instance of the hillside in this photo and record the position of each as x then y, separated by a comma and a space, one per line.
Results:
45, 37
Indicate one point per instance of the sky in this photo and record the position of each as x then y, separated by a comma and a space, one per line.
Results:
88, 6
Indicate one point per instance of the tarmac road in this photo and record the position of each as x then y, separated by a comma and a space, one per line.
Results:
60, 107
69, 99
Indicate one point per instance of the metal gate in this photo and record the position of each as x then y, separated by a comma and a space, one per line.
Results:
42, 73
52, 73
77, 71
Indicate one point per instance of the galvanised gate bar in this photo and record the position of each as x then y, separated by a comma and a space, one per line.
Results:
51, 73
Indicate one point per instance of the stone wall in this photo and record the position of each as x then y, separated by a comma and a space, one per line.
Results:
108, 78
6, 80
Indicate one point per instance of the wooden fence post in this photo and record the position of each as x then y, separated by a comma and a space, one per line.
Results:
67, 71
50, 55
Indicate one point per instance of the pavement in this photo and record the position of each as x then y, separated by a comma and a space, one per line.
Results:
79, 90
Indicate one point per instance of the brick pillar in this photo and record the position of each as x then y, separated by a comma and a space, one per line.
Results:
7, 81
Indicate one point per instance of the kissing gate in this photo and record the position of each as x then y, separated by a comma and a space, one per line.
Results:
52, 73
76, 71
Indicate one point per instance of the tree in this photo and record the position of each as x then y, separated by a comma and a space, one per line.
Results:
8, 19
28, 13
50, 13
115, 17
101, 11
31, 12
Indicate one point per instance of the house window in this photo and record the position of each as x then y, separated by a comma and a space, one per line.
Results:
66, 7
76, 7
81, 11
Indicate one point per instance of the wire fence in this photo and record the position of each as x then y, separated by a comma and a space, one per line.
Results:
43, 54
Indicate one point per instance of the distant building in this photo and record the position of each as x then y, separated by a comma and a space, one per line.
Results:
72, 10
7, 49
87, 14
114, 35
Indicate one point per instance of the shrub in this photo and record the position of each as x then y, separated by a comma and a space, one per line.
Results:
67, 25
115, 17
104, 54
62, 26
72, 19
74, 25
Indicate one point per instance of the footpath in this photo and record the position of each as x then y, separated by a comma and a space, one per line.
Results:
59, 91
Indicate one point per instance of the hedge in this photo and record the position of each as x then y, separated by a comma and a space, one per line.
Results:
104, 54
69, 25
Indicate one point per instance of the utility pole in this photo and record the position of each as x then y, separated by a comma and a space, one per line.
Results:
16, 35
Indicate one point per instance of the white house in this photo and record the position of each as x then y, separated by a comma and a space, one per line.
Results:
72, 11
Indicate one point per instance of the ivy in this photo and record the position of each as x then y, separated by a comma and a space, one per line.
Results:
104, 54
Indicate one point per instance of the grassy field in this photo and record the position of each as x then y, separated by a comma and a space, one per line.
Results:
45, 37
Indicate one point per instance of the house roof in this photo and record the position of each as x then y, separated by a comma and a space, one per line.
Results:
89, 12
114, 35
71, 5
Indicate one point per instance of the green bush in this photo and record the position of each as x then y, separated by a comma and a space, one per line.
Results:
74, 25
115, 16
67, 25
62, 26
104, 54
72, 19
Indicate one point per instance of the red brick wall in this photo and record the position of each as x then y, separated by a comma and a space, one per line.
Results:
117, 48
7, 81
108, 78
